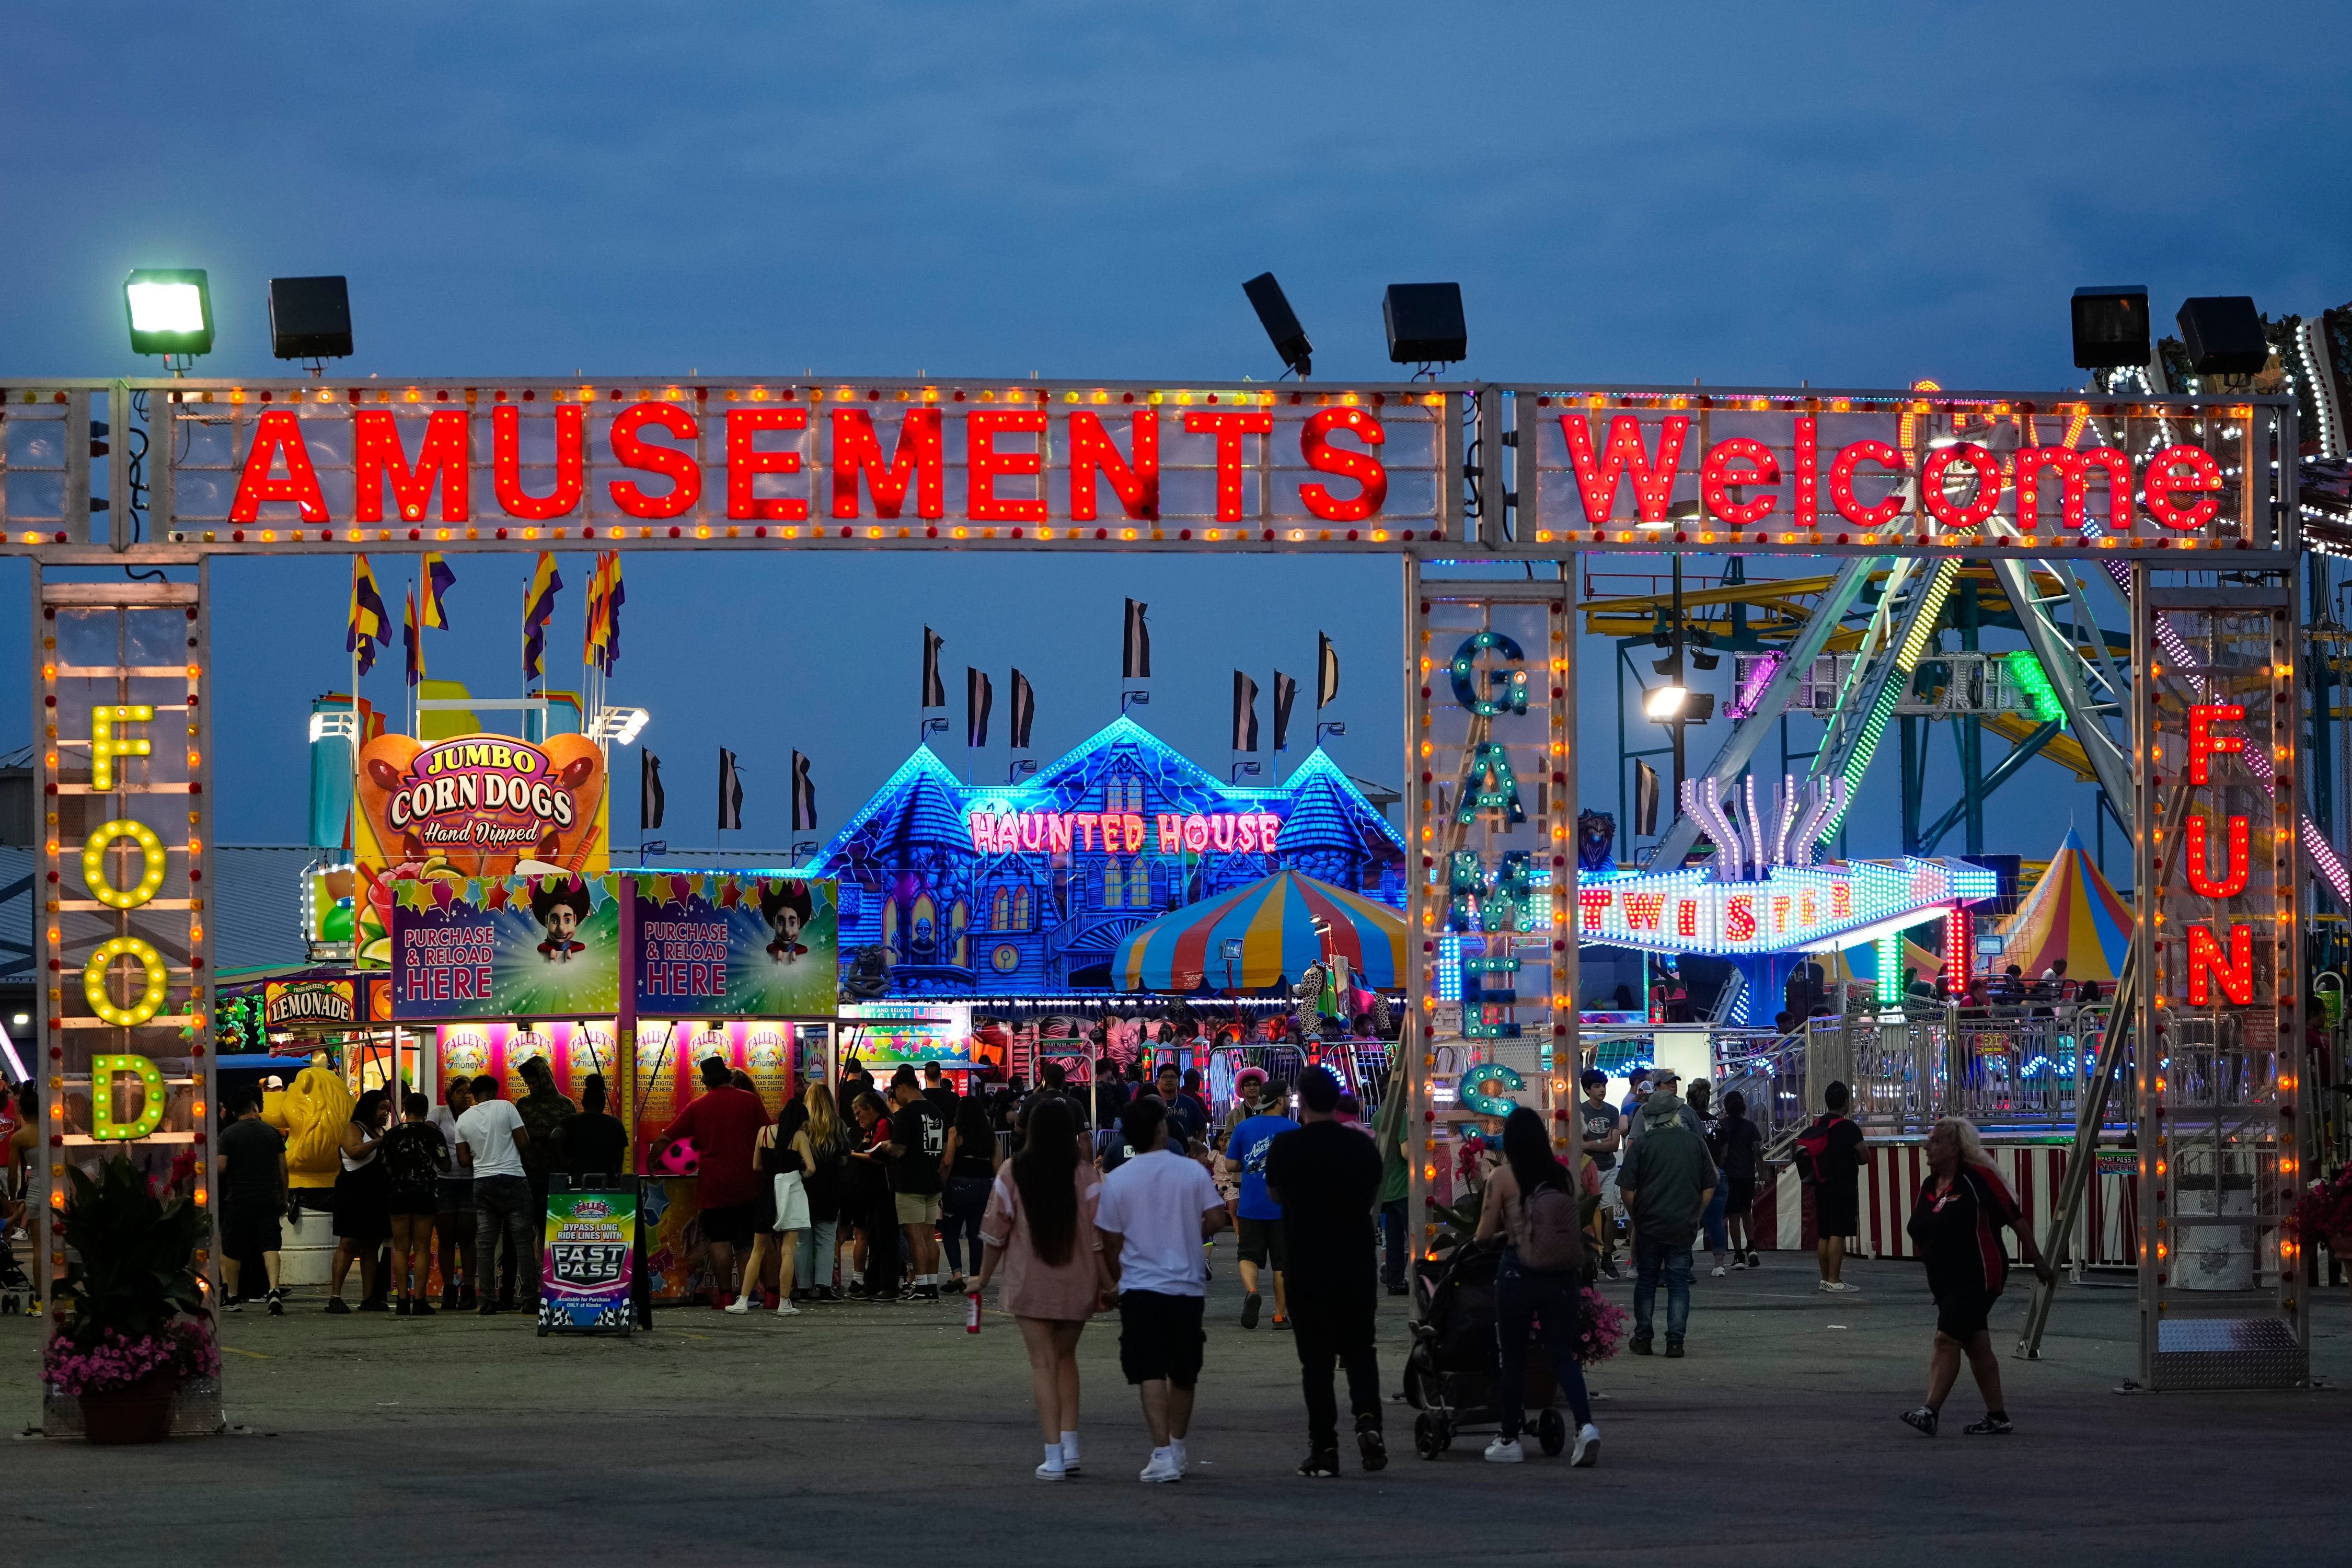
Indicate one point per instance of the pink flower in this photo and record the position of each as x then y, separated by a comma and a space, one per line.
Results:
182, 1350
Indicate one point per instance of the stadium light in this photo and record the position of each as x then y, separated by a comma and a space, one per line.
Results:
170, 310
1665, 702
621, 726
1281, 323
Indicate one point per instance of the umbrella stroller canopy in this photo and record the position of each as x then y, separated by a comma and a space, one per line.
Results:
1273, 920
2073, 913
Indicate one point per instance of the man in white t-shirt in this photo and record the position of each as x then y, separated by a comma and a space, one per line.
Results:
1154, 1213
490, 1141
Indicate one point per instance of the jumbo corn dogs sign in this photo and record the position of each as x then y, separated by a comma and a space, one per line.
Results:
473, 807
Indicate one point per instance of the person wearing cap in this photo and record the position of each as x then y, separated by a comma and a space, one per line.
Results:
1602, 1128
1668, 1082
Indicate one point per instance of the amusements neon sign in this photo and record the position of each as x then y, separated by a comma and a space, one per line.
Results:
1168, 833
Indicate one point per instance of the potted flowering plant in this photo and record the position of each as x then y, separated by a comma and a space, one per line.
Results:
136, 1326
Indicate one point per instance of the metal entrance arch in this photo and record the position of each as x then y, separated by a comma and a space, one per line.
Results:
1443, 478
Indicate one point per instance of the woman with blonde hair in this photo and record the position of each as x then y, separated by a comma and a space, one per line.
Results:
824, 1146
1956, 1226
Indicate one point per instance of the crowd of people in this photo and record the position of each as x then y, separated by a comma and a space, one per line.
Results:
1075, 1204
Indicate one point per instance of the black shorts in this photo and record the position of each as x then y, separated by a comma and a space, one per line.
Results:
1262, 1239
1160, 1336
1963, 1314
1837, 1210
1738, 1196
415, 1206
250, 1227
731, 1225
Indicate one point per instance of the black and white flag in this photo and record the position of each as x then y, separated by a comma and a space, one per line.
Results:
1244, 712
978, 696
650, 800
1135, 658
1285, 692
1326, 672
935, 695
1023, 713
804, 797
730, 791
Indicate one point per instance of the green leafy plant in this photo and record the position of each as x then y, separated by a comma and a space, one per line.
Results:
134, 1273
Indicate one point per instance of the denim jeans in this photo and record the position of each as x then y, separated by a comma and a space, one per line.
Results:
502, 1205
1521, 1300
1334, 1324
1718, 1235
812, 1262
1393, 1251
1649, 1258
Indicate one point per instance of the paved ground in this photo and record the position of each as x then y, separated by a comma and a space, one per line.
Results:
868, 1435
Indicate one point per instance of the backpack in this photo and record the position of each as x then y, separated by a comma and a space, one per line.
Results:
1555, 1231
1813, 1144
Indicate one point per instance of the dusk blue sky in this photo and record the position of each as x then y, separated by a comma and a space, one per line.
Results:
1854, 195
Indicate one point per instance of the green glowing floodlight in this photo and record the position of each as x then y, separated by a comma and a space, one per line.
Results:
169, 310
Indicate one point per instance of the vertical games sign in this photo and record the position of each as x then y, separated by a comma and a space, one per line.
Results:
2223, 1145
1491, 807
125, 754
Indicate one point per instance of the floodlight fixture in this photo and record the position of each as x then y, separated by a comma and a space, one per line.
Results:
2111, 329
310, 320
1425, 324
1664, 703
2223, 334
619, 726
169, 310
334, 723
1702, 659
1281, 324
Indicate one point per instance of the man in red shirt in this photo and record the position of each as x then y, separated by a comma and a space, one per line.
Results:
724, 1122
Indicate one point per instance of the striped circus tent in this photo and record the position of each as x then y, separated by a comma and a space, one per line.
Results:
2072, 914
1274, 919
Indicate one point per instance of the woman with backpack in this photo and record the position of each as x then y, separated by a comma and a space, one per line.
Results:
1531, 1203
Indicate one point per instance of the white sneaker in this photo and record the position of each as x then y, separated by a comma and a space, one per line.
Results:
1586, 1451
784, 1309
1838, 1286
1163, 1468
739, 1306
1716, 1273
1504, 1451
1050, 1471
1184, 1457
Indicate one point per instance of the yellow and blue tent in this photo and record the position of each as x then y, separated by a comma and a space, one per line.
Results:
2073, 913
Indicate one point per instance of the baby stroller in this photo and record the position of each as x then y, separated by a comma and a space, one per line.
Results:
1451, 1372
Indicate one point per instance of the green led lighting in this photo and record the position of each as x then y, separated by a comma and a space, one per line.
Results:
2027, 672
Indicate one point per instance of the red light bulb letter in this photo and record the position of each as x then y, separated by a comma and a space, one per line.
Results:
1738, 461
1842, 494
2200, 869
1371, 476
1980, 506
985, 463
746, 462
915, 461
2203, 744
2206, 965
630, 452
1229, 429
275, 432
2163, 483
571, 463
2073, 473
1092, 452
1597, 479
376, 457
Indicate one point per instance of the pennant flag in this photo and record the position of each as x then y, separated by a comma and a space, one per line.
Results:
651, 802
1244, 712
1285, 692
1023, 713
803, 795
412, 641
979, 697
538, 609
1326, 672
1645, 798
615, 596
368, 623
438, 580
730, 791
935, 694
591, 643
1135, 658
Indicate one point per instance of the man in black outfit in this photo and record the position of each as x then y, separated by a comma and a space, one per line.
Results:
1326, 1177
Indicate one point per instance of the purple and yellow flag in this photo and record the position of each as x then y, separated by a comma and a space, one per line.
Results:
538, 609
412, 641
367, 623
438, 580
